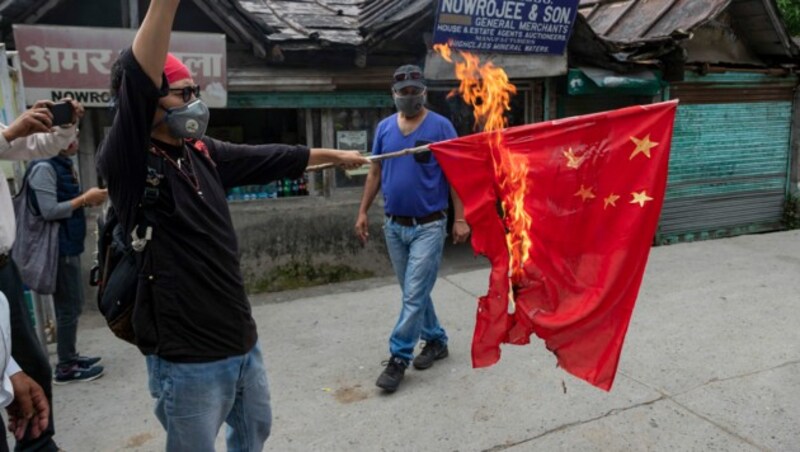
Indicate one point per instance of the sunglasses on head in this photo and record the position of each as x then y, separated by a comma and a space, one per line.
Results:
403, 76
187, 92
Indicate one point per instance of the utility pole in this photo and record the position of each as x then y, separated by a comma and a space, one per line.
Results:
134, 13
130, 13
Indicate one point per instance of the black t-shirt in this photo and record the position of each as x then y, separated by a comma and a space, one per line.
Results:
191, 304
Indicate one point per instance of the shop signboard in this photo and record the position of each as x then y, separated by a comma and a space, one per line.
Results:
506, 26
76, 61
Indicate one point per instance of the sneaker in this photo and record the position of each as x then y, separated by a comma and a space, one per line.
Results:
391, 377
433, 350
87, 361
75, 373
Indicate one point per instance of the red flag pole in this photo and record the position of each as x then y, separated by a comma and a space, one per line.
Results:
378, 158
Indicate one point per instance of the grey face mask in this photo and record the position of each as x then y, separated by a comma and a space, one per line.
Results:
188, 121
410, 106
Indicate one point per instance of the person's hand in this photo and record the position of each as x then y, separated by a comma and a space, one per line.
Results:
351, 159
77, 109
362, 227
95, 196
29, 408
43, 104
37, 119
461, 231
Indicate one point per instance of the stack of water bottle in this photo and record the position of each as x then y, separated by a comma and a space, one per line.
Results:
282, 188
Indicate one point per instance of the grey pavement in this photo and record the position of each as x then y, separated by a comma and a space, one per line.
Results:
711, 362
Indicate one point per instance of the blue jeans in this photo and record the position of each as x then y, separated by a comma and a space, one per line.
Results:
416, 252
68, 304
194, 399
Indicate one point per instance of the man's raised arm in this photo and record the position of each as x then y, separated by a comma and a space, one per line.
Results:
152, 40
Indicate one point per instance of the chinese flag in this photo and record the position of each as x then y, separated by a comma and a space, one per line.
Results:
595, 187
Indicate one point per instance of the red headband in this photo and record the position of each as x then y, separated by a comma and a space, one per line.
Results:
175, 70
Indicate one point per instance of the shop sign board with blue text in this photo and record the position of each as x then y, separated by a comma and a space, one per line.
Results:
506, 26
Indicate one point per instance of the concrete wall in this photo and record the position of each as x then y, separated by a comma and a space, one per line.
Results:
795, 149
312, 231
306, 232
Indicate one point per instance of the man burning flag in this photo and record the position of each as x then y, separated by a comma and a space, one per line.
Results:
566, 212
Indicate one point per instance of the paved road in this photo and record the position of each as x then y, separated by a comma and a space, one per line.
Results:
711, 362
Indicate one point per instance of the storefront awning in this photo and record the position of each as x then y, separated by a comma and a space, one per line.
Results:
330, 99
516, 66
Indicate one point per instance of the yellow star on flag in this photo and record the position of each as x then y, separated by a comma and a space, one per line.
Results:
640, 198
611, 201
573, 161
585, 193
643, 146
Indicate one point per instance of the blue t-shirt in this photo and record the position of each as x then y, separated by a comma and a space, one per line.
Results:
410, 188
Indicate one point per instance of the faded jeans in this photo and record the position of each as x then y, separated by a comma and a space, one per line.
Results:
194, 399
68, 304
415, 252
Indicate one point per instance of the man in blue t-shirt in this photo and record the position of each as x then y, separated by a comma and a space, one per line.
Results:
415, 194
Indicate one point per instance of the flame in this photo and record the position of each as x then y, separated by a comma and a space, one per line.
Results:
444, 51
488, 90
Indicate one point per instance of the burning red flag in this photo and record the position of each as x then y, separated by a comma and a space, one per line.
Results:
580, 199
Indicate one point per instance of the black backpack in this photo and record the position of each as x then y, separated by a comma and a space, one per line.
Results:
117, 267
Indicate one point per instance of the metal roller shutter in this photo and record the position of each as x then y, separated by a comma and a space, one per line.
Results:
729, 168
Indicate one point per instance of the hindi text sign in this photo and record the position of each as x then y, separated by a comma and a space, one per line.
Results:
76, 62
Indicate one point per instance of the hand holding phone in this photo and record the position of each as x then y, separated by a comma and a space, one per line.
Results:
62, 113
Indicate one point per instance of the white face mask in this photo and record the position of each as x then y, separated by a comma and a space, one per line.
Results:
188, 121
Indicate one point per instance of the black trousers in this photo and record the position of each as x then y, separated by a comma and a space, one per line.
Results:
28, 353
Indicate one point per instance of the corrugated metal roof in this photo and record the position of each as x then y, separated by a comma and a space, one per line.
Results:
633, 22
309, 24
24, 11
388, 19
273, 27
306, 24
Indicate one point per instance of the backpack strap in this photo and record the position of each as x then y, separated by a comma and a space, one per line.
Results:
143, 231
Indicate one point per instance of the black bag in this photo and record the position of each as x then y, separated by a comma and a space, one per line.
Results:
116, 275
118, 264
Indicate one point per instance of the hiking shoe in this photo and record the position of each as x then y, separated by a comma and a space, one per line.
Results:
433, 350
391, 377
75, 373
87, 361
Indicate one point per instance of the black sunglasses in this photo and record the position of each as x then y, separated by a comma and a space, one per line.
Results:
188, 91
403, 76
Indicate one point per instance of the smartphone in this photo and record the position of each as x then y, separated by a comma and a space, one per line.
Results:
62, 113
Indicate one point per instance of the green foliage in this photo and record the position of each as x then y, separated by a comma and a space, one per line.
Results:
791, 212
790, 9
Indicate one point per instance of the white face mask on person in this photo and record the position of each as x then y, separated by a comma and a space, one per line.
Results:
410, 105
187, 121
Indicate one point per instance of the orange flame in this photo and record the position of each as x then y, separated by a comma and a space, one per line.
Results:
444, 51
488, 90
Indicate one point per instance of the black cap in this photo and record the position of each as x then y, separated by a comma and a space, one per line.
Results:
408, 75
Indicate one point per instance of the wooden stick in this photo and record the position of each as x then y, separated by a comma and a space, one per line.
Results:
377, 158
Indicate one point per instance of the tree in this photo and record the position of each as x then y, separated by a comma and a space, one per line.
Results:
790, 9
